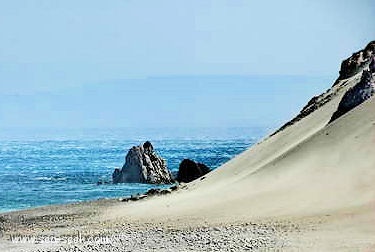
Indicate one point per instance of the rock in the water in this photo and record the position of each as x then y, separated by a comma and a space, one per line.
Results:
190, 170
143, 165
356, 95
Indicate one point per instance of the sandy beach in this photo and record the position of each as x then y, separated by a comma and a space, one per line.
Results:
308, 187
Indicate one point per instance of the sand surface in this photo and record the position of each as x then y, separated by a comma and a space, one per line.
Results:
310, 187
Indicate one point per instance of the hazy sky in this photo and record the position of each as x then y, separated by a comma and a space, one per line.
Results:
183, 58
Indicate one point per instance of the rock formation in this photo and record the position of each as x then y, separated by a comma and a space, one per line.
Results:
358, 62
356, 95
143, 165
190, 170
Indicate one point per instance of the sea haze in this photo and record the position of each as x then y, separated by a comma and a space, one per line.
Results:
169, 101
41, 167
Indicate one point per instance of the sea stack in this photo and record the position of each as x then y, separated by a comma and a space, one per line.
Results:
143, 165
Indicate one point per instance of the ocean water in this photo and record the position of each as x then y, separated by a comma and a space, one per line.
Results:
43, 167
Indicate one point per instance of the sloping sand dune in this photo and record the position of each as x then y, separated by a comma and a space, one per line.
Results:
308, 168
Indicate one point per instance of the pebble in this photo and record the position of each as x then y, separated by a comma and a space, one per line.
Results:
153, 237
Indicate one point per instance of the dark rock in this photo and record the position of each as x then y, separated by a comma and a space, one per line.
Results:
143, 165
357, 62
174, 188
134, 198
356, 95
190, 170
153, 191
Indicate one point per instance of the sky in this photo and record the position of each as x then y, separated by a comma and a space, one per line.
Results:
157, 63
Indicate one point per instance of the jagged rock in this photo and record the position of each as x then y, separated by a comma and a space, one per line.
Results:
356, 95
357, 62
190, 170
143, 165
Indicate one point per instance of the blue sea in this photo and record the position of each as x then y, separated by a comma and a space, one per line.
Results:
44, 166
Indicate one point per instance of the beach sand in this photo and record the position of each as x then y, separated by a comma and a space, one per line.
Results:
309, 187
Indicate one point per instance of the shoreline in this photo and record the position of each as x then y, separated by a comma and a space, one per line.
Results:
220, 233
